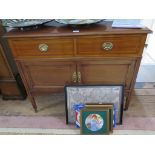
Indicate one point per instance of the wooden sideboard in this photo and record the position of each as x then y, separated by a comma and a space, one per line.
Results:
50, 57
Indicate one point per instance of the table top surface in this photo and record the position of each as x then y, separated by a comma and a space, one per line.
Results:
55, 29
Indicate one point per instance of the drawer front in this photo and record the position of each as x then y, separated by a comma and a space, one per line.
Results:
42, 47
111, 45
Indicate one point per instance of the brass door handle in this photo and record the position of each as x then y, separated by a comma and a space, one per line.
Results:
74, 77
107, 46
43, 47
79, 77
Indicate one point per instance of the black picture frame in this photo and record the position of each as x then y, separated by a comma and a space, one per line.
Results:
74, 89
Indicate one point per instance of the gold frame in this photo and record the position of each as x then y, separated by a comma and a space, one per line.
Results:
104, 106
95, 109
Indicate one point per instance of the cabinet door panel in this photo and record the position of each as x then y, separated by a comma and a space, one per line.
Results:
4, 67
48, 76
112, 71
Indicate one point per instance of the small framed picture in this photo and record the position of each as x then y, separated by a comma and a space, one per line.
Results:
75, 94
105, 106
94, 121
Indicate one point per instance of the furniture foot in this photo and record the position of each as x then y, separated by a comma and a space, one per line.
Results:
126, 108
127, 102
34, 105
35, 110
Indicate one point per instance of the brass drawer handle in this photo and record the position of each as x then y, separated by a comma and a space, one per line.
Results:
43, 47
74, 77
107, 46
79, 77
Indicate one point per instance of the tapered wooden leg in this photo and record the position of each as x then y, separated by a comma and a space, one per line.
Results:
133, 83
33, 102
31, 98
127, 102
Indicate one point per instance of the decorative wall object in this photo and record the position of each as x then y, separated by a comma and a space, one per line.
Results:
104, 106
94, 94
18, 23
94, 121
78, 21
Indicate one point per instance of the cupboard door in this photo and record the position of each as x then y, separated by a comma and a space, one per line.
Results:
48, 76
5, 72
107, 71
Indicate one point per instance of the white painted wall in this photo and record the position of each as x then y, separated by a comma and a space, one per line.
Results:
149, 52
148, 23
151, 38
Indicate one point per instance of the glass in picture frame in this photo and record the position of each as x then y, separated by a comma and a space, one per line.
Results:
93, 94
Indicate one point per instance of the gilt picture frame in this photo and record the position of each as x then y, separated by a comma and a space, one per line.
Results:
104, 106
94, 94
94, 121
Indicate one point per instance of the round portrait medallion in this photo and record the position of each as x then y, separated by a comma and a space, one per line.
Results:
94, 122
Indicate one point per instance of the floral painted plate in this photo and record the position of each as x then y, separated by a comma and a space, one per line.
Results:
78, 21
18, 23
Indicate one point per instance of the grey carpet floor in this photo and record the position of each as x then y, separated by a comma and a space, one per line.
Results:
142, 107
142, 104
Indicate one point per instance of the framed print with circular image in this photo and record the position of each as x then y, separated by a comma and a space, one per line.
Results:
105, 106
94, 121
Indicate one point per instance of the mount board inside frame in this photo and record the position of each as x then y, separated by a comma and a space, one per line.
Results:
94, 94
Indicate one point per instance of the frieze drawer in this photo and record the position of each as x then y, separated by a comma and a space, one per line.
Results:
43, 47
110, 46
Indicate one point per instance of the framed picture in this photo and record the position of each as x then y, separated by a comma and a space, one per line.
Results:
94, 94
94, 121
104, 106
